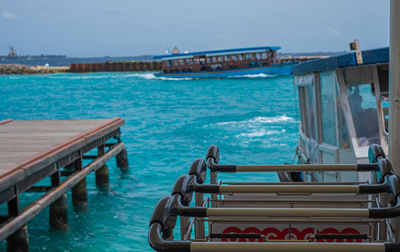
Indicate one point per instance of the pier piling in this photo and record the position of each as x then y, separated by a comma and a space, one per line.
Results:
122, 160
59, 214
19, 241
79, 191
79, 196
102, 179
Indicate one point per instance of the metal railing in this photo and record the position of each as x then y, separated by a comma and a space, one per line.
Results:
279, 216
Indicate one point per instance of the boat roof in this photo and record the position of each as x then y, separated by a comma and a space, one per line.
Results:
374, 56
218, 52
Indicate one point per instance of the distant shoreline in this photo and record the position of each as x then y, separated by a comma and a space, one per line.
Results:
4, 57
66, 61
47, 64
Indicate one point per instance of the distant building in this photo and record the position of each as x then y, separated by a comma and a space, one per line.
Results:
175, 50
12, 53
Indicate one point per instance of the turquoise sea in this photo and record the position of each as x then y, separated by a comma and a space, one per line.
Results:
169, 123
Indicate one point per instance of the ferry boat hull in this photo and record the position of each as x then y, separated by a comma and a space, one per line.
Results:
283, 69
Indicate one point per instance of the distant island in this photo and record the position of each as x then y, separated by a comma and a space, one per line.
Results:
12, 54
42, 56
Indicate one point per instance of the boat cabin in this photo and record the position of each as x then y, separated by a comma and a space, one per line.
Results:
219, 59
344, 109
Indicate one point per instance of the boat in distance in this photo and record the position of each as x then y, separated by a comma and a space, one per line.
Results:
224, 63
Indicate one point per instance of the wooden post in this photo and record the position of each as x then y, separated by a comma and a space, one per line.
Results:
122, 160
59, 214
394, 96
79, 191
394, 86
58, 210
102, 178
19, 241
79, 196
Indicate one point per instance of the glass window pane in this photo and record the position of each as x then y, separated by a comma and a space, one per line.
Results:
310, 123
344, 139
385, 110
302, 111
310, 104
365, 117
328, 106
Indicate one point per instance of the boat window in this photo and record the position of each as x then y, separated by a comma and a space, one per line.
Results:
234, 57
302, 109
248, 56
181, 62
328, 85
310, 111
226, 57
363, 109
175, 63
264, 55
220, 59
258, 56
311, 122
385, 110
240, 57
214, 59
196, 60
344, 139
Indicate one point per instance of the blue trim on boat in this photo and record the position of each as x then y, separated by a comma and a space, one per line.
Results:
272, 48
276, 69
374, 56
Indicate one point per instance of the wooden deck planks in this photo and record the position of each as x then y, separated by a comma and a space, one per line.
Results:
22, 142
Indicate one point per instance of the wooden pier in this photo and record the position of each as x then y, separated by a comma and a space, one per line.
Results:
32, 151
128, 66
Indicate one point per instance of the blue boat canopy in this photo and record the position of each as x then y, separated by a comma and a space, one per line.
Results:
219, 52
374, 56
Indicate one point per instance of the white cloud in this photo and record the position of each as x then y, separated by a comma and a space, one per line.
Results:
7, 15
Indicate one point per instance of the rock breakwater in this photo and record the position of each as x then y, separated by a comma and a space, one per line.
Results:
6, 69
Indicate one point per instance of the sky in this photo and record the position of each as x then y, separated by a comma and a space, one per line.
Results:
87, 28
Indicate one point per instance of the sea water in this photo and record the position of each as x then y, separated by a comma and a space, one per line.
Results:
168, 124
